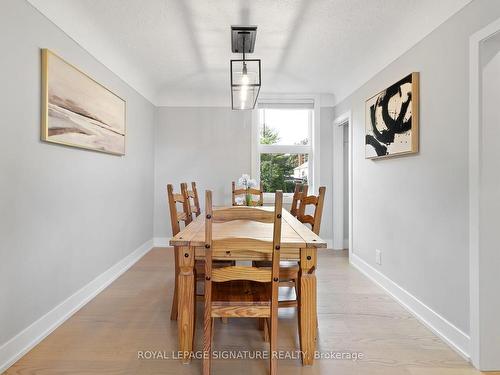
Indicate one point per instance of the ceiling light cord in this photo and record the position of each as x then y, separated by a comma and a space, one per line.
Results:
243, 48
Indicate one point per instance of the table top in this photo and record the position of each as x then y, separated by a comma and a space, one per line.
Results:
294, 234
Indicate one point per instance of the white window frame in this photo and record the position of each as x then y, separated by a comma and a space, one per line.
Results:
312, 148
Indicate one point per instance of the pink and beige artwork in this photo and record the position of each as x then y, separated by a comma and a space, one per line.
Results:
78, 111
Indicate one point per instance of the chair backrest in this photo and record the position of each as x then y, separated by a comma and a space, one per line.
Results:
317, 201
242, 192
221, 245
300, 190
175, 216
192, 197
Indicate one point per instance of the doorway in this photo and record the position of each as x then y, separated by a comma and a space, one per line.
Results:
484, 196
342, 226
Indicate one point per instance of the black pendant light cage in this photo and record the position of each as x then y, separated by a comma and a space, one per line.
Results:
245, 74
244, 93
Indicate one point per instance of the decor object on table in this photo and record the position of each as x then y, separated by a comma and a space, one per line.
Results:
245, 73
78, 111
240, 201
391, 122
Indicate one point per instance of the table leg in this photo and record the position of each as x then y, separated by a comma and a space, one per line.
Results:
307, 305
187, 297
175, 302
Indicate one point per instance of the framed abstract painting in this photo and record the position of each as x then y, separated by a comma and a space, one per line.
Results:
391, 120
78, 111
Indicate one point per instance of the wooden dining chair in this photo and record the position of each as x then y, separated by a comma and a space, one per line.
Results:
241, 291
314, 219
185, 216
289, 271
242, 192
192, 197
300, 190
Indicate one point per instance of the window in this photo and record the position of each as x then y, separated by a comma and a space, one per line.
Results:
281, 171
284, 145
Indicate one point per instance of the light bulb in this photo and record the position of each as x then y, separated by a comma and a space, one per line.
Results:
243, 94
244, 76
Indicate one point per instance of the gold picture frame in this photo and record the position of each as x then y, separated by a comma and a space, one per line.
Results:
392, 120
78, 111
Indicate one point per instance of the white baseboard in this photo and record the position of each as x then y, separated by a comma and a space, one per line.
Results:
24, 341
161, 241
342, 245
453, 336
329, 243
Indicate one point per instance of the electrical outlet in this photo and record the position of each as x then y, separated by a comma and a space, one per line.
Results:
378, 257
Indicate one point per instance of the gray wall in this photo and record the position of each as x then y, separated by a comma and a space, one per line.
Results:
66, 215
415, 208
209, 145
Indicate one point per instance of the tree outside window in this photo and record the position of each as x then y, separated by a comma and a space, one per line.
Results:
281, 171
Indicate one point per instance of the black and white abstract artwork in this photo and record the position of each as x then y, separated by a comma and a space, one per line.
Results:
392, 120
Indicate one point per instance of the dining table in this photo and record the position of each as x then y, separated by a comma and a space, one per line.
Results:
298, 243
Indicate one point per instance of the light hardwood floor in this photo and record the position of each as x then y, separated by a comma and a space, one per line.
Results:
133, 314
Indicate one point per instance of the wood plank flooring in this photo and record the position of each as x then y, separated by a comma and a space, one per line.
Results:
133, 314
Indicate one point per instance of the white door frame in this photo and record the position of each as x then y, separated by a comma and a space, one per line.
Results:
474, 190
338, 181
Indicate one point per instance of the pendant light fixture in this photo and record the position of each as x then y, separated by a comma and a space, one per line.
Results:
245, 73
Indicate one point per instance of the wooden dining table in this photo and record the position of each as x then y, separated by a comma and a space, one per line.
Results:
298, 243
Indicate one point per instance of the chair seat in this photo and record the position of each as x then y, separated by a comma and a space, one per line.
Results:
200, 266
289, 270
241, 292
289, 273
241, 298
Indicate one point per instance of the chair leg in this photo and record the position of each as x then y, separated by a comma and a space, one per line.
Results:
261, 322
212, 329
173, 310
267, 328
207, 344
273, 344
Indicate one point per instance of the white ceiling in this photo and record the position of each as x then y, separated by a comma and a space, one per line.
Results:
177, 52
